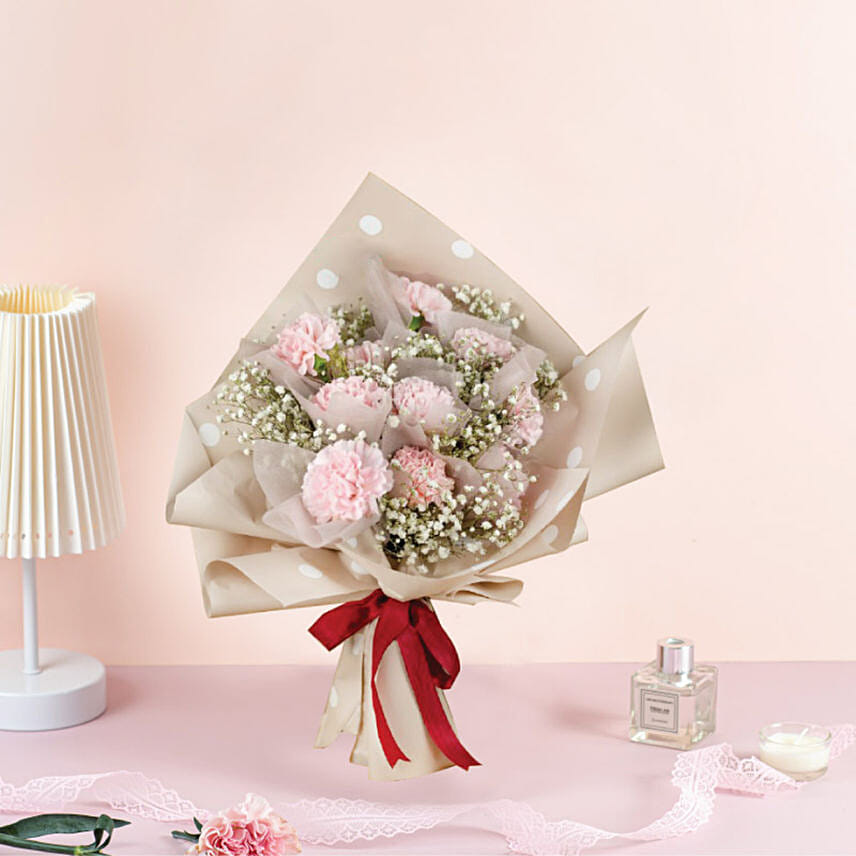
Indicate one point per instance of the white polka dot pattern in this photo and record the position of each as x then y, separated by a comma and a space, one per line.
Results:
592, 380
310, 571
209, 434
371, 225
550, 534
327, 278
462, 249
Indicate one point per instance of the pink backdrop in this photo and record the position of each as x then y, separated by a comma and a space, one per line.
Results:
695, 157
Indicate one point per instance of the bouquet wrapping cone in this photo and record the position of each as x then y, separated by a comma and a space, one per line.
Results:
602, 438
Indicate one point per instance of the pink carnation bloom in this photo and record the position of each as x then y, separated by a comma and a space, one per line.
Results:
250, 829
527, 421
345, 481
308, 337
368, 353
480, 341
416, 398
425, 478
426, 300
362, 389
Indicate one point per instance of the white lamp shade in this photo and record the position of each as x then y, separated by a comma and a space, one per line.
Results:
59, 480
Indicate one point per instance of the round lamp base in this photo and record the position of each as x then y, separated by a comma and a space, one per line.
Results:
70, 689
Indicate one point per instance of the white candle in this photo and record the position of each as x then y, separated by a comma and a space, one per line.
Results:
801, 751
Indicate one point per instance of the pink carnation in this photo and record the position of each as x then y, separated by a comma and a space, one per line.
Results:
527, 421
345, 481
468, 339
416, 398
426, 300
368, 353
303, 340
250, 829
362, 389
424, 475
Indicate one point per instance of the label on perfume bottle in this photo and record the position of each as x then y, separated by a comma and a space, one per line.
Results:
659, 711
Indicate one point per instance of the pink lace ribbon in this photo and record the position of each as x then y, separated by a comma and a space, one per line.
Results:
697, 775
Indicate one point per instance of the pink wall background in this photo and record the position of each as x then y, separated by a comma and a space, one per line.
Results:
181, 159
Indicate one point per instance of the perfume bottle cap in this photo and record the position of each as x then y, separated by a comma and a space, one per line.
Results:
675, 656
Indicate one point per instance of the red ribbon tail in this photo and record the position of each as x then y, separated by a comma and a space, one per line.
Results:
428, 699
391, 750
391, 623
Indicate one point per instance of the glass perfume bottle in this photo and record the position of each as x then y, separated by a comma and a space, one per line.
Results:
673, 699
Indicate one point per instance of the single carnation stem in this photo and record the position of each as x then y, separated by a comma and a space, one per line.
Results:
416, 323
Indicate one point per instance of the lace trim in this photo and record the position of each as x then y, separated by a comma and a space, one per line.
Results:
697, 775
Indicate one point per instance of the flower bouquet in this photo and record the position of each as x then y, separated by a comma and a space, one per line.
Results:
402, 426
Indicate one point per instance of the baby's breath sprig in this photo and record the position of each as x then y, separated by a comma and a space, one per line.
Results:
267, 411
475, 376
547, 387
353, 321
423, 345
471, 521
475, 371
483, 429
380, 374
263, 409
482, 303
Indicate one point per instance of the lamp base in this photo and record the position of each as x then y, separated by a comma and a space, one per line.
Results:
70, 689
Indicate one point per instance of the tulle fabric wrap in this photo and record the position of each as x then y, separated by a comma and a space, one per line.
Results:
258, 551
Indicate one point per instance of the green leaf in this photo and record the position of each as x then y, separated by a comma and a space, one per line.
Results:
197, 824
416, 323
185, 836
321, 368
21, 833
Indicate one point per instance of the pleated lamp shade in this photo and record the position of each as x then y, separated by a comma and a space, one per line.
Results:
59, 482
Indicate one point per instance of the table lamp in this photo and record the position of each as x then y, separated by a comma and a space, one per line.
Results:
59, 487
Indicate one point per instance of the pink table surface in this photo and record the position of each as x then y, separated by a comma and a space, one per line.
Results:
550, 735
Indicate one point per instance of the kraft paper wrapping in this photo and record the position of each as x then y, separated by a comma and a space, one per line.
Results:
601, 438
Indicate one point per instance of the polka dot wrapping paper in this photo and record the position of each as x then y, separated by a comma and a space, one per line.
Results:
601, 438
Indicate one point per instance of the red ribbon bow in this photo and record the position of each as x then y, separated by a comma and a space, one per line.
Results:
429, 656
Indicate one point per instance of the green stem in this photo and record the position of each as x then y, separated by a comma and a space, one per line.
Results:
41, 846
416, 323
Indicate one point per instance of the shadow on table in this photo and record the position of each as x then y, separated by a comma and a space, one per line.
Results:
120, 693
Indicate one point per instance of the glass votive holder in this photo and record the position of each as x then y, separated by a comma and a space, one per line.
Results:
796, 748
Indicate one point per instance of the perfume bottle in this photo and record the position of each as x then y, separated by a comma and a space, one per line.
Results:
673, 699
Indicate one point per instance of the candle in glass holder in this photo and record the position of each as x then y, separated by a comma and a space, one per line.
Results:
800, 750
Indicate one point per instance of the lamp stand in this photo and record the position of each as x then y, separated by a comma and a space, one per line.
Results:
49, 688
